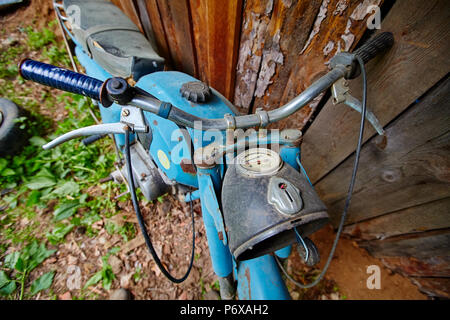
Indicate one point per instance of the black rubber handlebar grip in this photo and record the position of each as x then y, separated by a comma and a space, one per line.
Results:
374, 46
60, 78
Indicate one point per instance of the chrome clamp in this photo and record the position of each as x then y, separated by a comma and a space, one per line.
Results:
231, 121
263, 116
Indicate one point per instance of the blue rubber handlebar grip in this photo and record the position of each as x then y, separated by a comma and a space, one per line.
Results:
60, 78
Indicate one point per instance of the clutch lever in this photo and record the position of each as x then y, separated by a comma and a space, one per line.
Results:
104, 128
130, 117
340, 94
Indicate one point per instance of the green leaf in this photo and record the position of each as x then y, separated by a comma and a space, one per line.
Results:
114, 250
8, 289
11, 260
66, 210
33, 255
33, 198
94, 279
45, 172
63, 189
20, 265
42, 283
8, 172
10, 185
39, 182
4, 279
41, 254
83, 197
58, 233
3, 164
66, 188
108, 277
37, 141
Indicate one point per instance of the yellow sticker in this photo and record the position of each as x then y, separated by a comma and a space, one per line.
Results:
162, 157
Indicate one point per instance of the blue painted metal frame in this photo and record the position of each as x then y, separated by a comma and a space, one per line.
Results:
257, 278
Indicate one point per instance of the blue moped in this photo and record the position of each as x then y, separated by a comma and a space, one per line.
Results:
176, 133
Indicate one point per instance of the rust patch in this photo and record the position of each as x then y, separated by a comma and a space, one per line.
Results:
381, 142
187, 166
247, 275
320, 17
436, 266
155, 122
356, 232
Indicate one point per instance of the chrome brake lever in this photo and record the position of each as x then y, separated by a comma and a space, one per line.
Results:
340, 94
131, 117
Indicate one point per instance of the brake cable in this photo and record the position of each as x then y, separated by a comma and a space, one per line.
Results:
141, 222
350, 189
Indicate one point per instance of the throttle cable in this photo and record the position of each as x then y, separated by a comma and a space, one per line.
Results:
350, 189
141, 222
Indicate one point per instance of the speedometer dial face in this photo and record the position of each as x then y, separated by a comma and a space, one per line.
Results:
259, 161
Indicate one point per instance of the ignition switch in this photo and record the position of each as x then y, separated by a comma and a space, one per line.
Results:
284, 196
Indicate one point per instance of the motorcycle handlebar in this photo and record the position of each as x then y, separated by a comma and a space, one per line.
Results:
81, 84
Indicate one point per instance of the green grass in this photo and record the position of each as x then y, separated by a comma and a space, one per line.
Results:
8, 67
127, 231
37, 39
37, 177
105, 274
138, 275
19, 264
43, 42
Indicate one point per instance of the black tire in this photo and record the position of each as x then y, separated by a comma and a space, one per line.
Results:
12, 138
313, 257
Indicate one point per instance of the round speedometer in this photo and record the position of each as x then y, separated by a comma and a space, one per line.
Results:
258, 162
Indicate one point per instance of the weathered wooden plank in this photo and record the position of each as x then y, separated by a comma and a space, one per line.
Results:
176, 19
428, 267
420, 246
409, 167
158, 30
437, 287
200, 31
417, 61
338, 26
256, 18
216, 26
127, 6
273, 33
426, 217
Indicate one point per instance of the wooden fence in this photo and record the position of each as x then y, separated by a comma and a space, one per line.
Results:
262, 53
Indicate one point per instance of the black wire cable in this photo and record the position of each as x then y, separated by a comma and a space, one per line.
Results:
350, 189
141, 222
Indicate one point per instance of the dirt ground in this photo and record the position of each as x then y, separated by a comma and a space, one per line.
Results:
349, 270
169, 223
